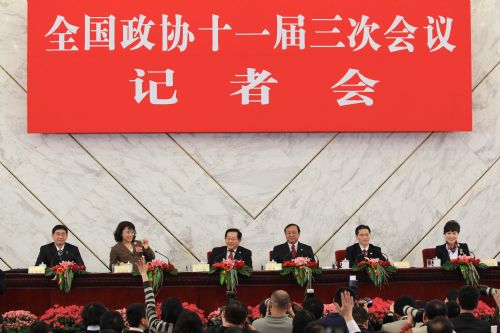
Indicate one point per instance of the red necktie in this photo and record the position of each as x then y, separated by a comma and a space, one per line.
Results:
294, 252
231, 254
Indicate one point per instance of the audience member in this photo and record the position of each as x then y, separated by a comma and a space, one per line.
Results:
188, 322
315, 305
361, 318
400, 318
171, 308
277, 321
433, 309
136, 318
468, 298
234, 315
91, 316
440, 324
301, 319
112, 321
453, 309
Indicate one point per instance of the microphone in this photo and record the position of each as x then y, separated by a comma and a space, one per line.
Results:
168, 259
317, 259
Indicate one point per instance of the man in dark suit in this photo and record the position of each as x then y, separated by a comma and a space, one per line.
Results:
363, 249
292, 248
452, 248
468, 297
53, 253
232, 250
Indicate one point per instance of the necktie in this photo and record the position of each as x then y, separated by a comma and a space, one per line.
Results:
231, 254
60, 253
364, 253
293, 252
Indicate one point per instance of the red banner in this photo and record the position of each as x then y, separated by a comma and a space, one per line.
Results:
99, 66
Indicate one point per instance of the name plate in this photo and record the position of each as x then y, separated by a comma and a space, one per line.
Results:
402, 264
37, 269
490, 262
200, 268
272, 266
127, 268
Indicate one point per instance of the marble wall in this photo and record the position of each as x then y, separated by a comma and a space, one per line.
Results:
183, 190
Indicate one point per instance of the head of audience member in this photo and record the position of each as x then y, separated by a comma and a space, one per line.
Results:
363, 234
111, 321
451, 295
125, 232
453, 309
401, 302
360, 316
337, 298
136, 316
279, 303
263, 308
40, 327
314, 327
91, 315
59, 235
301, 319
434, 309
171, 308
315, 306
232, 238
451, 231
235, 314
439, 324
468, 297
188, 322
292, 233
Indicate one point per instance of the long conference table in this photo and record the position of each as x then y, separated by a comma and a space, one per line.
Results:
37, 293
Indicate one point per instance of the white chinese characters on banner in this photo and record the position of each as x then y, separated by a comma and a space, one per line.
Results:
400, 36
215, 31
354, 91
254, 89
179, 37
443, 38
140, 93
100, 32
136, 31
63, 31
290, 33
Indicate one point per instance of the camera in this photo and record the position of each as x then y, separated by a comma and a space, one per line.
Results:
416, 314
368, 301
230, 295
309, 293
487, 291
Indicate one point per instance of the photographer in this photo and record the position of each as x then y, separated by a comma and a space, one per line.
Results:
279, 315
400, 318
433, 309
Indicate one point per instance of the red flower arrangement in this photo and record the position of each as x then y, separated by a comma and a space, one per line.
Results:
378, 270
378, 311
228, 272
64, 318
468, 266
484, 312
64, 274
18, 321
303, 269
156, 268
194, 308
